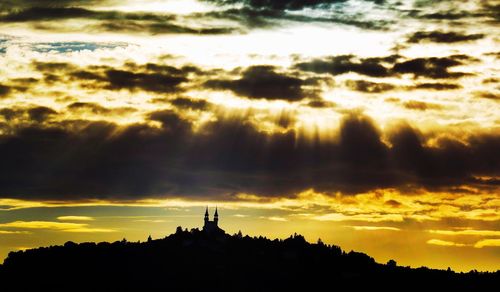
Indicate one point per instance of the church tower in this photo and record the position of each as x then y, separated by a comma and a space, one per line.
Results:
206, 217
216, 217
212, 227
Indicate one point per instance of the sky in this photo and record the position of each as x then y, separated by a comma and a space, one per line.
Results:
371, 124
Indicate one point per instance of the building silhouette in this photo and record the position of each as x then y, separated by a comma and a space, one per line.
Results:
212, 226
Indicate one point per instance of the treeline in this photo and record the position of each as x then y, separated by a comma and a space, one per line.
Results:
195, 261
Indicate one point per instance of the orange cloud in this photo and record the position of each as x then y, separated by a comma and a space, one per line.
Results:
467, 232
445, 243
13, 232
374, 228
58, 226
487, 242
75, 218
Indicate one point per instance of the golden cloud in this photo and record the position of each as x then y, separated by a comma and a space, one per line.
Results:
467, 232
75, 218
487, 242
445, 243
276, 218
13, 232
383, 205
374, 228
57, 226
369, 217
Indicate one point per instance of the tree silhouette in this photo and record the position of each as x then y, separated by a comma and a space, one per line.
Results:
196, 261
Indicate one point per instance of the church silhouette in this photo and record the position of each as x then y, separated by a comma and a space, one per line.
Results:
212, 227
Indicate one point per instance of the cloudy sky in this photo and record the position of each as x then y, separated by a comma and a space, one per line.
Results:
371, 124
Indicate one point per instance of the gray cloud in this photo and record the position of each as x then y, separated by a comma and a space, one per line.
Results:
252, 14
41, 113
438, 86
443, 37
493, 95
147, 77
4, 90
264, 82
421, 106
432, 67
342, 64
278, 4
19, 4
188, 103
115, 21
369, 87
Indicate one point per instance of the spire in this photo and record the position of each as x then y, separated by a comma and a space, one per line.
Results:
206, 215
216, 217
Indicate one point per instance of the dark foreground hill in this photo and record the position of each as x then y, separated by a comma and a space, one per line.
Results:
195, 261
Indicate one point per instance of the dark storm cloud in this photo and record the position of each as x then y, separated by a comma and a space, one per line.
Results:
485, 12
445, 15
88, 106
278, 4
165, 69
161, 28
338, 65
95, 108
493, 54
255, 14
443, 37
35, 115
369, 87
438, 86
450, 12
86, 75
16, 85
263, 82
46, 13
100, 159
250, 17
432, 67
269, 13
487, 94
115, 21
78, 157
121, 79
4, 90
92, 159
24, 81
450, 162
188, 103
130, 76
247, 17
41, 113
286, 4
490, 80
18, 116
49, 13
52, 66
16, 5
321, 104
421, 106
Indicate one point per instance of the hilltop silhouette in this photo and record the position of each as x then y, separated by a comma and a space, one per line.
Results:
197, 260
